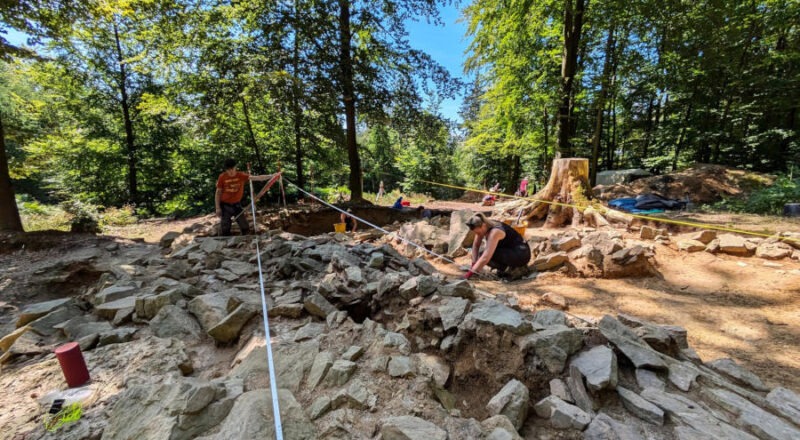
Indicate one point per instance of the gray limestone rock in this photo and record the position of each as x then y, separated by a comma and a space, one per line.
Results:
452, 312
738, 374
559, 389
549, 261
46, 325
459, 232
752, 417
704, 237
603, 427
115, 292
148, 306
577, 390
649, 379
239, 268
499, 315
309, 331
499, 427
340, 372
683, 374
786, 403
322, 363
109, 310
432, 366
209, 309
292, 362
319, 407
561, 414
549, 317
400, 366
630, 344
317, 305
353, 353
376, 260
640, 407
172, 321
459, 289
116, 336
396, 341
252, 417
554, 345
683, 410
599, 366
512, 402
411, 428
691, 246
228, 328
734, 245
35, 311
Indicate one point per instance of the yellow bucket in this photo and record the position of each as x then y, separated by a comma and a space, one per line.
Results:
520, 229
508, 221
339, 227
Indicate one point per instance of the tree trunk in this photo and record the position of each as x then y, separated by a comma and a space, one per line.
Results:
648, 128
573, 22
682, 137
133, 192
9, 214
297, 111
516, 171
252, 134
348, 96
568, 184
601, 103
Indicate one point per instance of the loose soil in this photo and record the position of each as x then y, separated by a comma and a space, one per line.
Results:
731, 307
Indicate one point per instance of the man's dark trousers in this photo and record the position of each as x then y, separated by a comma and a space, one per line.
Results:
230, 210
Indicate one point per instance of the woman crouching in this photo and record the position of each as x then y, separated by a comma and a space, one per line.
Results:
504, 247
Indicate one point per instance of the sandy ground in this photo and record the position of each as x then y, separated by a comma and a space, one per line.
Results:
731, 307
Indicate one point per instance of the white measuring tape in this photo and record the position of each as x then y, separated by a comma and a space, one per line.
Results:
273, 384
405, 240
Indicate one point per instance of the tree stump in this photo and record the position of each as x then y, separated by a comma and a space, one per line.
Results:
568, 185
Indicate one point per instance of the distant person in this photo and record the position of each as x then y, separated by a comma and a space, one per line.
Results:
504, 248
398, 204
523, 187
488, 200
228, 197
381, 192
350, 223
496, 188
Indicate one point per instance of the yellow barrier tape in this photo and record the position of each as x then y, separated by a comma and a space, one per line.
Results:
639, 216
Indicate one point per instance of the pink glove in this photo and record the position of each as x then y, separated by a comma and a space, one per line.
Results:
468, 274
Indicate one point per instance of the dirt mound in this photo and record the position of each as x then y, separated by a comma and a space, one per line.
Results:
704, 183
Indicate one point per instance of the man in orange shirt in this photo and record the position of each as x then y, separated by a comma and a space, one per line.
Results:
228, 198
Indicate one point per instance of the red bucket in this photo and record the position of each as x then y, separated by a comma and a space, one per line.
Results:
72, 364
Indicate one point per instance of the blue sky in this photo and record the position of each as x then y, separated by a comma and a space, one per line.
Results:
445, 44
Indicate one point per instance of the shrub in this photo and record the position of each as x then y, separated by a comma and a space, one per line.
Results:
85, 217
118, 216
769, 200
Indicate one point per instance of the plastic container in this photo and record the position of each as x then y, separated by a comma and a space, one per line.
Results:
405, 203
72, 364
520, 229
791, 210
339, 227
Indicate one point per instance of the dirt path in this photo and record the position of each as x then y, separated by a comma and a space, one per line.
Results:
732, 307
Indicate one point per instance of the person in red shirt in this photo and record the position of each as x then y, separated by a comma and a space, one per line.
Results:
228, 198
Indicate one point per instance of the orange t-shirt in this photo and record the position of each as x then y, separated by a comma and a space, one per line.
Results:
232, 186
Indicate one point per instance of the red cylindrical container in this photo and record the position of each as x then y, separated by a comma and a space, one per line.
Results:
72, 364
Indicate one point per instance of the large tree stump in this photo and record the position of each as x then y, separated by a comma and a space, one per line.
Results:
568, 185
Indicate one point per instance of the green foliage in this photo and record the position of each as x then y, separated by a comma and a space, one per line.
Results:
85, 217
769, 200
123, 216
37, 216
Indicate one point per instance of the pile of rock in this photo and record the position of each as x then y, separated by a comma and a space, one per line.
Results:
786, 245
367, 342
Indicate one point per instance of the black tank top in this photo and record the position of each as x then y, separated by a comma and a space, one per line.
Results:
512, 238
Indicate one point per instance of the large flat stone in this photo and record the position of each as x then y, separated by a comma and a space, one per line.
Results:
452, 311
737, 373
682, 410
411, 428
599, 366
640, 407
750, 416
561, 414
630, 344
512, 402
785, 402
36, 311
554, 345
